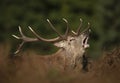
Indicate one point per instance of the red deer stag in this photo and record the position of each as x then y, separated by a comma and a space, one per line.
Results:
72, 46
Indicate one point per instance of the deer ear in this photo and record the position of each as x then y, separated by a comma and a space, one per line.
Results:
60, 44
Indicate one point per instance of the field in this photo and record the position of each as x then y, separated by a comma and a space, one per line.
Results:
29, 69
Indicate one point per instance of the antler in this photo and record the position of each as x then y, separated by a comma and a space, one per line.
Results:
39, 38
79, 28
24, 38
68, 29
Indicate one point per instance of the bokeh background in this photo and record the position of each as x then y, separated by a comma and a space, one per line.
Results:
103, 15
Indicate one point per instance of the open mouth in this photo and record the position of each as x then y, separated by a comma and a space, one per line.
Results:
85, 42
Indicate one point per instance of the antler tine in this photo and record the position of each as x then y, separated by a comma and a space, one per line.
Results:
20, 30
19, 48
20, 45
54, 28
78, 30
16, 37
21, 33
40, 38
43, 39
88, 27
67, 30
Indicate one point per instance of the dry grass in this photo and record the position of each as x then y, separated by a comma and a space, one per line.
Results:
30, 69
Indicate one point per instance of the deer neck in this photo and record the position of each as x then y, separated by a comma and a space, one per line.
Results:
71, 57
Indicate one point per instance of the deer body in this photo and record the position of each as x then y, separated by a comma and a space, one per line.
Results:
72, 47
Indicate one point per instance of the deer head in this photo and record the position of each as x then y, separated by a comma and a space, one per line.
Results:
74, 44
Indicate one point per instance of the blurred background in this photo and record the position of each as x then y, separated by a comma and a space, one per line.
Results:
103, 15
